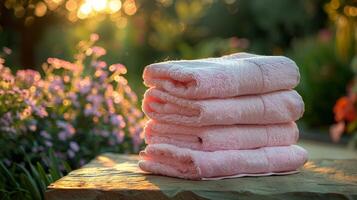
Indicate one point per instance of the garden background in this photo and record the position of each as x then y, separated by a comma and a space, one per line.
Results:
70, 71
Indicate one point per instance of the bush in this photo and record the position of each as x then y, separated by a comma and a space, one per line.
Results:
79, 109
323, 77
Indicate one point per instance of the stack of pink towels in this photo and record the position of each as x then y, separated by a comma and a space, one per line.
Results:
222, 117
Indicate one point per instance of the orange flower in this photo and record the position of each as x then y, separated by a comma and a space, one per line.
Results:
344, 109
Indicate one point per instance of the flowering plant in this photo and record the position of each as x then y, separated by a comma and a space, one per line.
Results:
79, 109
345, 115
343, 15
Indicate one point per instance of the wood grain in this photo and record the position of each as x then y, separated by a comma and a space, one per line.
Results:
112, 176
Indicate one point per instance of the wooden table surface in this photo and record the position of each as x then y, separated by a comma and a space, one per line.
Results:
113, 176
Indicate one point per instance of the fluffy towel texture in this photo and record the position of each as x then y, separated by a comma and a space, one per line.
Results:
270, 108
227, 76
213, 138
173, 161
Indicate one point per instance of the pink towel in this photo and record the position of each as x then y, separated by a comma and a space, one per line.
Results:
213, 138
270, 108
173, 161
228, 76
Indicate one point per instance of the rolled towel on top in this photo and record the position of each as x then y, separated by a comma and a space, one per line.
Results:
270, 108
227, 76
173, 161
214, 138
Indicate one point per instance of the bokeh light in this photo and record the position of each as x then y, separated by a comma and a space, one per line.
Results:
114, 6
130, 7
40, 9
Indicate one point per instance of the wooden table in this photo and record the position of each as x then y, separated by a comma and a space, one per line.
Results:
112, 176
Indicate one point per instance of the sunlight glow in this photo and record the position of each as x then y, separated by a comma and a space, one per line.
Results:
114, 6
84, 10
98, 5
91, 7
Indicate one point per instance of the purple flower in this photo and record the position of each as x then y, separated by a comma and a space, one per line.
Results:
74, 146
84, 85
99, 64
48, 143
104, 133
82, 162
62, 135
45, 135
70, 153
120, 136
7, 162
116, 120
67, 128
74, 99
56, 85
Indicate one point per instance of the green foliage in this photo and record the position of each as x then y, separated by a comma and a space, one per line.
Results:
28, 181
323, 78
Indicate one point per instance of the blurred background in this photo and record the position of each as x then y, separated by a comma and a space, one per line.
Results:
319, 35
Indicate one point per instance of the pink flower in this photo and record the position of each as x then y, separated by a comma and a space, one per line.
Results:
70, 129
234, 42
98, 51
118, 68
7, 50
94, 37
59, 63
336, 131
40, 111
242, 43
27, 77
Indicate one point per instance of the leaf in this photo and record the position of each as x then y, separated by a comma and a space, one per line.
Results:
54, 166
43, 174
40, 182
29, 183
7, 175
67, 167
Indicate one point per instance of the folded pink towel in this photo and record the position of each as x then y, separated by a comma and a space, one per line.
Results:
270, 108
228, 76
173, 161
213, 138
